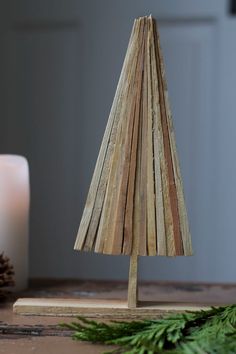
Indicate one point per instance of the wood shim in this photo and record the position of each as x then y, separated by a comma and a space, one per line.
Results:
135, 203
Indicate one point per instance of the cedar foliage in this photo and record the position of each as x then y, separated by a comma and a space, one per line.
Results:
210, 331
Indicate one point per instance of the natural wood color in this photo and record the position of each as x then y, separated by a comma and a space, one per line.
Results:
186, 238
142, 170
97, 308
130, 201
111, 225
136, 190
133, 281
137, 246
159, 163
163, 209
98, 183
168, 157
151, 219
160, 150
119, 112
124, 203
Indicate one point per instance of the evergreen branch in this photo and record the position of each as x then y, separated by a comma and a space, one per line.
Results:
99, 332
202, 332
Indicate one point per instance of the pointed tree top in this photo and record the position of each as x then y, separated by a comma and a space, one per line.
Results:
135, 203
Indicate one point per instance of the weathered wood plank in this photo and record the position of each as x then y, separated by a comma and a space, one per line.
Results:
101, 236
112, 219
164, 225
98, 308
151, 220
183, 218
168, 161
98, 184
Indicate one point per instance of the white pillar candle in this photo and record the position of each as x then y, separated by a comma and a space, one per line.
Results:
14, 214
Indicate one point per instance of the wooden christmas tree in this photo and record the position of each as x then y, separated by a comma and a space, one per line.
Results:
135, 204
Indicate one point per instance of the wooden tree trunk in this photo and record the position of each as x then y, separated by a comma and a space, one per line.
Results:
133, 282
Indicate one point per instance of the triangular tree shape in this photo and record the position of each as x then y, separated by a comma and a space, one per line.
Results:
135, 202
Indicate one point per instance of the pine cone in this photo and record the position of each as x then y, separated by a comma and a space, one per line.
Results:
6, 275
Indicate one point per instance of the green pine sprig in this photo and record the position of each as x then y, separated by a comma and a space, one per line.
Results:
210, 331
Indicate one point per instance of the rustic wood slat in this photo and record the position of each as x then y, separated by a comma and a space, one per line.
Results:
167, 293
142, 170
105, 150
135, 204
125, 82
112, 221
159, 161
124, 88
122, 204
137, 243
185, 234
175, 238
129, 209
151, 220
98, 308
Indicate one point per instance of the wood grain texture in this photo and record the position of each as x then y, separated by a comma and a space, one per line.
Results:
135, 204
186, 238
97, 188
151, 220
98, 308
133, 280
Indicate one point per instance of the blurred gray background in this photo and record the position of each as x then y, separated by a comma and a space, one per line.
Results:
59, 66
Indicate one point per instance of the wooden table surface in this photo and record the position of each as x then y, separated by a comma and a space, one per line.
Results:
42, 335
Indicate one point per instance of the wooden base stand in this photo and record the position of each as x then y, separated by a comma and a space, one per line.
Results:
104, 308
97, 308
